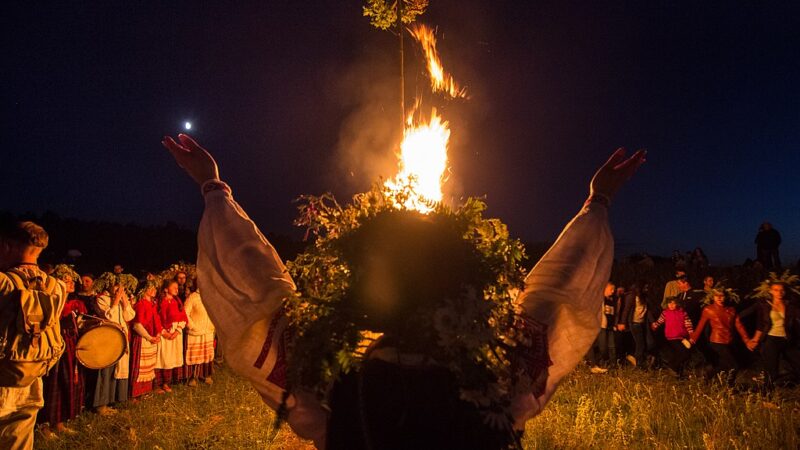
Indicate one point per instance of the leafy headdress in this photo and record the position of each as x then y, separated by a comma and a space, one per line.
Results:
791, 281
438, 285
720, 288
154, 282
172, 271
62, 271
108, 280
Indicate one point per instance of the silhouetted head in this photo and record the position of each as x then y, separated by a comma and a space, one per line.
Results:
404, 263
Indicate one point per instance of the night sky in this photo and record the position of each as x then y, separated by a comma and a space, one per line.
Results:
299, 97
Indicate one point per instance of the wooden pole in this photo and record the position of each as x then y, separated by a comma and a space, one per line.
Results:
402, 69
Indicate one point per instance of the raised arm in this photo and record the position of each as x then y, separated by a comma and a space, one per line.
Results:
565, 289
240, 273
244, 282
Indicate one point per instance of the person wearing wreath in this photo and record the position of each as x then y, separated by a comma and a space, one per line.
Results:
64, 383
114, 305
412, 387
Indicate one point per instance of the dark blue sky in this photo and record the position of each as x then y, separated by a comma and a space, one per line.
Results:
301, 97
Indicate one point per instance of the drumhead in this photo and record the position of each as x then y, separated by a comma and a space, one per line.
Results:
101, 346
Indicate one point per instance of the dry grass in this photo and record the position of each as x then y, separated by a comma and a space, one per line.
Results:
226, 415
619, 410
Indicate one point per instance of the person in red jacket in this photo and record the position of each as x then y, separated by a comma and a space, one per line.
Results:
64, 384
169, 364
145, 342
677, 328
722, 319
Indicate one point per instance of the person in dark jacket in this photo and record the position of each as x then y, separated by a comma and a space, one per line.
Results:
767, 242
777, 331
637, 319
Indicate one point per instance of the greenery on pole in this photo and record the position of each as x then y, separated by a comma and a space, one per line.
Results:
383, 14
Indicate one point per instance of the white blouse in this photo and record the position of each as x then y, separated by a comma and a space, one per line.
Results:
198, 321
244, 281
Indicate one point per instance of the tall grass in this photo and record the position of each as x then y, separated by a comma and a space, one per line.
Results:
627, 408
622, 409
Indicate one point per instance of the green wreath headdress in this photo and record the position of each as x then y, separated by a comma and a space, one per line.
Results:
108, 280
720, 288
791, 281
61, 271
471, 331
153, 283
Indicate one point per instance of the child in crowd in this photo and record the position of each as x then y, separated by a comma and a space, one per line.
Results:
677, 328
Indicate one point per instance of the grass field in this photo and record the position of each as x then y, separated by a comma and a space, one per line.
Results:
619, 410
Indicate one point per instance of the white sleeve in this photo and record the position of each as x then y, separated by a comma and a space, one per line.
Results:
128, 313
241, 274
103, 305
244, 282
188, 305
565, 292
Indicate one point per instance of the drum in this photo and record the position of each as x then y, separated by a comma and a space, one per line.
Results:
101, 343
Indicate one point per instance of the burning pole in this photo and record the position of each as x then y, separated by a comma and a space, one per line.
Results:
402, 66
422, 157
386, 16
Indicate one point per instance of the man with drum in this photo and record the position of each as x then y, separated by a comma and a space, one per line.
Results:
21, 244
112, 382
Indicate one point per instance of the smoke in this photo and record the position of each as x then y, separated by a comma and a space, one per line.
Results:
371, 131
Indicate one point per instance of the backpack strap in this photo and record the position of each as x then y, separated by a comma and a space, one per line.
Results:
50, 285
17, 278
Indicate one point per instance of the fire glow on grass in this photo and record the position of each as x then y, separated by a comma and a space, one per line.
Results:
423, 152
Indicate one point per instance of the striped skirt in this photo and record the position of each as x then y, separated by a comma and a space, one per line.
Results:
199, 349
143, 365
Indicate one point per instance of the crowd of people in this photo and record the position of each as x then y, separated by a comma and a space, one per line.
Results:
167, 334
168, 338
709, 329
121, 338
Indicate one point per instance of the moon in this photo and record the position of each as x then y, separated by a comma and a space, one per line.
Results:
187, 125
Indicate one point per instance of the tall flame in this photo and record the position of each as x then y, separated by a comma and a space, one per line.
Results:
423, 162
440, 81
423, 152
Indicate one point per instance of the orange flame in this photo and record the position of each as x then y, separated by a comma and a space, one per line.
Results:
440, 81
423, 163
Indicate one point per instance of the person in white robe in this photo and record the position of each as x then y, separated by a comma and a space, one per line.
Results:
244, 282
199, 340
112, 382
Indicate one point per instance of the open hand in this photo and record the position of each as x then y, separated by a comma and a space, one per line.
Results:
193, 158
615, 172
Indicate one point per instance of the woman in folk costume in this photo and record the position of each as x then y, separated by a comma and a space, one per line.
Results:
146, 337
405, 391
64, 384
113, 304
199, 340
169, 363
